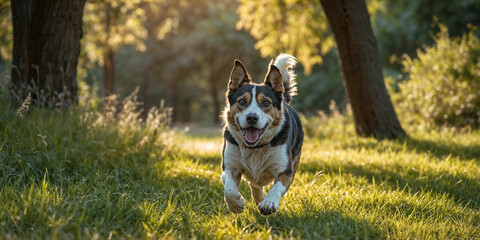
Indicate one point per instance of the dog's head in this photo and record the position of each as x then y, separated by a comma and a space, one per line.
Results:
254, 112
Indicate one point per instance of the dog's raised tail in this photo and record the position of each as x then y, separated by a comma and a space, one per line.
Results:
285, 63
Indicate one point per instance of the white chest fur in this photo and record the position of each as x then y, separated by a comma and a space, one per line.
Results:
259, 166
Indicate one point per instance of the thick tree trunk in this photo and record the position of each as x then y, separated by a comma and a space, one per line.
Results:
46, 46
362, 69
108, 70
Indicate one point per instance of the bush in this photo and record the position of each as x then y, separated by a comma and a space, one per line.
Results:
443, 83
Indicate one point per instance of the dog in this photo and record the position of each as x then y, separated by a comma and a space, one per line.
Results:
263, 135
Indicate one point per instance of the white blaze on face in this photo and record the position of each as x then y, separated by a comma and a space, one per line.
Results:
253, 132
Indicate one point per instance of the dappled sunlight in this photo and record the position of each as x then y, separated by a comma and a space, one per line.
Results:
111, 122
199, 141
202, 146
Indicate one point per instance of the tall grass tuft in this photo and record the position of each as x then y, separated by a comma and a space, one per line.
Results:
334, 124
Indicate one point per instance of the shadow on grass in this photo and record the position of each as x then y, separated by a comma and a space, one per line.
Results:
312, 223
438, 150
442, 150
463, 191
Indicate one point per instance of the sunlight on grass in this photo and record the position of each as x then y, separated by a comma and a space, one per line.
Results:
88, 182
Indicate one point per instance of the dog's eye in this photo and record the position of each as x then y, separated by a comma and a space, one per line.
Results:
242, 102
266, 104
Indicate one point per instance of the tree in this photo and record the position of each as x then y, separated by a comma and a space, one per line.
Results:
298, 27
362, 69
219, 43
46, 47
111, 24
280, 26
190, 49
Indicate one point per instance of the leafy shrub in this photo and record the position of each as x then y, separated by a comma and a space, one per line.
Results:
443, 82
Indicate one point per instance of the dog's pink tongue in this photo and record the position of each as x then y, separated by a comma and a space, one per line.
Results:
251, 134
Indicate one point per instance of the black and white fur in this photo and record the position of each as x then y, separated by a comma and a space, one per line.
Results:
263, 135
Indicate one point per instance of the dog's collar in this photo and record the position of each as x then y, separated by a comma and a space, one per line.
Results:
258, 146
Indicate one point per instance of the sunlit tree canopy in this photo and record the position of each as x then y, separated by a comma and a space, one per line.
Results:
113, 23
302, 32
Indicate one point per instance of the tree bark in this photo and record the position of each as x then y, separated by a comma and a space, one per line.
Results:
172, 85
108, 53
152, 32
372, 108
46, 46
214, 93
108, 70
144, 85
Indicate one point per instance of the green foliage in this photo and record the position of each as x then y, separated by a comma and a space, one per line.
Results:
298, 27
111, 24
190, 48
6, 33
443, 83
402, 26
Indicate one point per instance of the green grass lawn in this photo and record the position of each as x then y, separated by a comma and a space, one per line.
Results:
71, 174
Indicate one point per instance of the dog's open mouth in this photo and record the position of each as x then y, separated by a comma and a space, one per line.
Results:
252, 134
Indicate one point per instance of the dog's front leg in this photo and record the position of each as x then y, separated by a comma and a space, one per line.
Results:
270, 204
233, 198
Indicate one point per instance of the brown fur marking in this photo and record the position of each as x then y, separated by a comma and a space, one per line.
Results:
235, 108
257, 194
275, 113
287, 180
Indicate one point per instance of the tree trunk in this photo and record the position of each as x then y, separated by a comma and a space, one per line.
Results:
362, 69
46, 46
172, 85
152, 33
108, 70
144, 85
214, 94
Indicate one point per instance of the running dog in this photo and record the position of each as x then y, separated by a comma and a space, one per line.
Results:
263, 135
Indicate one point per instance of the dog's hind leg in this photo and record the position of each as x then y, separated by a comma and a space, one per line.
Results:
257, 193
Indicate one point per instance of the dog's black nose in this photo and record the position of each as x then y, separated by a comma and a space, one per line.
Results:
252, 118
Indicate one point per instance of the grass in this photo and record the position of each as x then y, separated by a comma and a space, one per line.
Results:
81, 174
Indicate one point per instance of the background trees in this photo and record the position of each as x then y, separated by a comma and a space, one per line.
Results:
402, 26
111, 24
188, 51
361, 65
181, 51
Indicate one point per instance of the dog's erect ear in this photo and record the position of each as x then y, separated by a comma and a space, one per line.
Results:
239, 76
274, 79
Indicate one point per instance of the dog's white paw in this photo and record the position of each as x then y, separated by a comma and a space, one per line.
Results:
268, 206
235, 202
